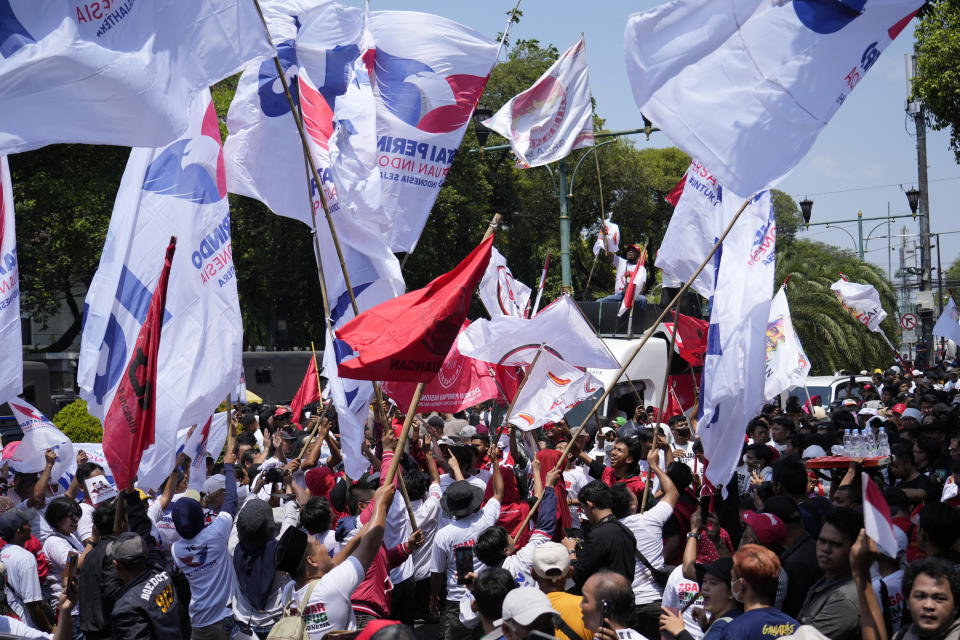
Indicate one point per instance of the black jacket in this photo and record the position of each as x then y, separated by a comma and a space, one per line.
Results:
609, 545
147, 609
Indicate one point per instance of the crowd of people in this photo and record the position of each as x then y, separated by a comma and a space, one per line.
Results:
489, 532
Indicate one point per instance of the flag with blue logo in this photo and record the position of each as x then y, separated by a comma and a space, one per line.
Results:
207, 437
115, 72
787, 364
39, 434
179, 190
734, 370
746, 86
11, 342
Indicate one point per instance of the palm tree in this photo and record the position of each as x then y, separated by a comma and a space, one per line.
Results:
831, 338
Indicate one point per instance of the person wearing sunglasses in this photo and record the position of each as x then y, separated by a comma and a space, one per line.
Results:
63, 515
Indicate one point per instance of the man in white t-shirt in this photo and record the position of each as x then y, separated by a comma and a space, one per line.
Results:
677, 594
23, 583
201, 554
462, 501
321, 587
625, 270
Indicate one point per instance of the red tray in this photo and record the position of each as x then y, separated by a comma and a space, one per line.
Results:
842, 462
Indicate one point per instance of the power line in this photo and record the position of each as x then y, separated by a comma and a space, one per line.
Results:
878, 186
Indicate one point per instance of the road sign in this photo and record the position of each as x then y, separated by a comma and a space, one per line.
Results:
908, 321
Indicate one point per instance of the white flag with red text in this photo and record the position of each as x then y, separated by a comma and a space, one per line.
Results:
554, 116
861, 301
11, 341
553, 388
500, 292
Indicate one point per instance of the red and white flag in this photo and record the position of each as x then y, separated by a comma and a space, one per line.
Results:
876, 518
308, 392
630, 293
553, 388
11, 343
128, 428
554, 116
39, 434
203, 440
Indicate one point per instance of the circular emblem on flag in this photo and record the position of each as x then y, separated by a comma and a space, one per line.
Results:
828, 17
539, 112
450, 371
505, 296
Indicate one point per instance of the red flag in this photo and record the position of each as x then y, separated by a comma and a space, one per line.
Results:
674, 196
630, 293
406, 339
461, 383
691, 342
128, 428
309, 391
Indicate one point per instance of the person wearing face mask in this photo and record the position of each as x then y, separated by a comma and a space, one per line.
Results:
753, 583
682, 443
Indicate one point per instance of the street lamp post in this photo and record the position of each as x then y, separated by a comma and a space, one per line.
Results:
806, 207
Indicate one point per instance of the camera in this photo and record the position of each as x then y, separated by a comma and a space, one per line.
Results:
274, 474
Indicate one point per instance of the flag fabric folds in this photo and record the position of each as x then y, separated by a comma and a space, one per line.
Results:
120, 73
734, 368
461, 383
308, 392
608, 239
39, 434
636, 279
691, 342
948, 325
177, 191
514, 342
500, 292
787, 364
861, 301
554, 116
746, 86
206, 438
11, 342
553, 388
407, 339
428, 76
130, 426
698, 220
876, 517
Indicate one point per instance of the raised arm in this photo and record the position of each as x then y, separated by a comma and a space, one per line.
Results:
862, 554
670, 493
497, 479
40, 489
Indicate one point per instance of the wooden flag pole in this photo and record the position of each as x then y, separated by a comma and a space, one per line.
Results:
636, 350
406, 500
404, 432
543, 284
663, 400
526, 376
494, 223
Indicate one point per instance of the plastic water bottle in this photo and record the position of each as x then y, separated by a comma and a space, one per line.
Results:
870, 443
857, 444
847, 443
883, 443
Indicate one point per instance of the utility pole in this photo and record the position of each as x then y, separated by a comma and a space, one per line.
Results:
915, 108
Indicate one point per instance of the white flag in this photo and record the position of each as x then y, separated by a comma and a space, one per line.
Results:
11, 341
207, 437
115, 72
95, 454
948, 325
179, 190
611, 233
747, 86
500, 292
39, 434
553, 388
554, 116
697, 222
511, 341
876, 517
734, 368
787, 364
861, 301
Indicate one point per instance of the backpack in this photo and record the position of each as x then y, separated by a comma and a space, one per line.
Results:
292, 627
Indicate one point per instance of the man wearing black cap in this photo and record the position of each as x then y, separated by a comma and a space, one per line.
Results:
148, 607
23, 583
462, 501
718, 601
321, 586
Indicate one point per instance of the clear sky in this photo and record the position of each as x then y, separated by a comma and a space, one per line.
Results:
865, 153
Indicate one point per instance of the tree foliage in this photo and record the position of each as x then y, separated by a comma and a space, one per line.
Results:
831, 338
77, 424
937, 81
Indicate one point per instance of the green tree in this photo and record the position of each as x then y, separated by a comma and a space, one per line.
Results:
937, 81
831, 338
77, 424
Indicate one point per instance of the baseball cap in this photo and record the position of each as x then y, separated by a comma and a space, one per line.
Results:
447, 440
128, 548
193, 494
899, 408
768, 527
524, 605
551, 556
12, 520
214, 483
849, 402
620, 421
281, 410
912, 413
468, 432
605, 430
813, 451
721, 569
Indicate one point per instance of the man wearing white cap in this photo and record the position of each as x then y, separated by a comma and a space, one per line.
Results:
551, 569
525, 610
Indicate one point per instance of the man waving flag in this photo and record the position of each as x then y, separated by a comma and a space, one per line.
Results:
637, 280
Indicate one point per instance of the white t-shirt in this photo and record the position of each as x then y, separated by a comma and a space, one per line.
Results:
461, 533
647, 528
677, 594
57, 549
949, 489
427, 512
17, 629
743, 477
575, 479
688, 457
85, 525
329, 607
329, 541
38, 525
479, 480
896, 599
519, 563
23, 583
625, 272
209, 568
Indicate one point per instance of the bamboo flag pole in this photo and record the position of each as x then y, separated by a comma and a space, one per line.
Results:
404, 432
526, 376
663, 399
603, 221
543, 283
636, 350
